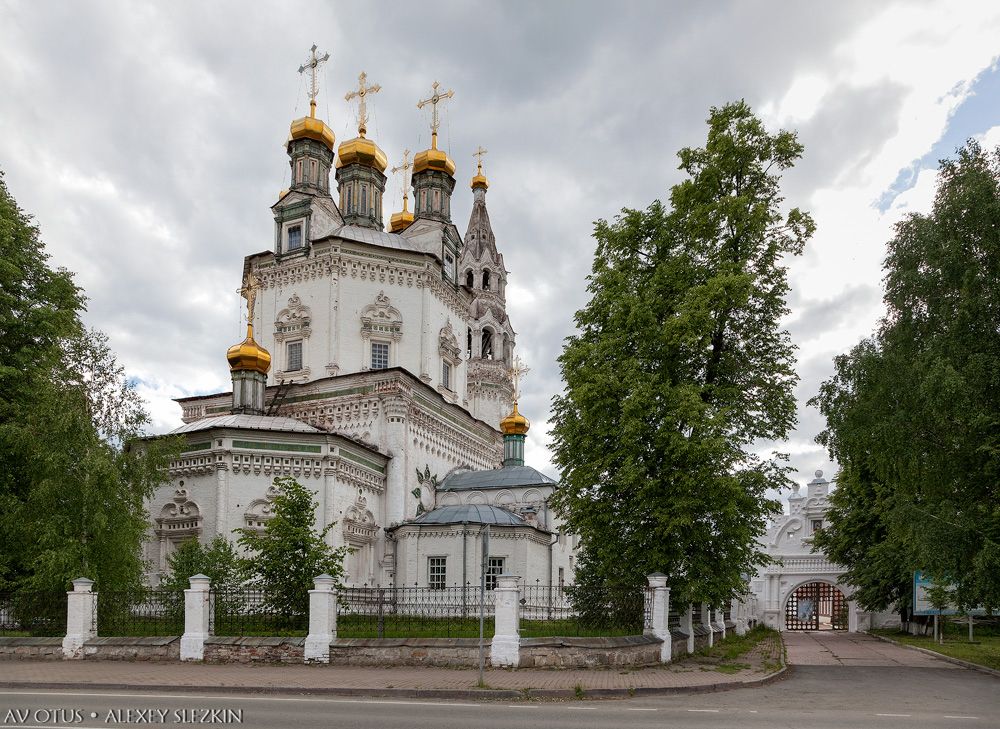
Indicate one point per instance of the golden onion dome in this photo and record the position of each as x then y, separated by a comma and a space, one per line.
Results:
433, 159
309, 127
479, 179
515, 423
361, 150
400, 221
248, 355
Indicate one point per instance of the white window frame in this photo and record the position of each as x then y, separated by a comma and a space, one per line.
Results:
371, 354
437, 573
286, 230
495, 566
288, 358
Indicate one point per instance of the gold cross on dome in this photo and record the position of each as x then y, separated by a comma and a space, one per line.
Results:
517, 372
251, 284
361, 92
312, 64
404, 168
479, 154
435, 99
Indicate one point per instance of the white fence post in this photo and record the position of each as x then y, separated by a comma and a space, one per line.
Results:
322, 620
81, 617
506, 646
660, 627
740, 616
687, 625
196, 619
706, 622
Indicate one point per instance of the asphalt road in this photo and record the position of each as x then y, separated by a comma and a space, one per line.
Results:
814, 697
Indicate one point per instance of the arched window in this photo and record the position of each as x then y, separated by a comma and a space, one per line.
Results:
470, 281
364, 200
487, 350
486, 280
350, 190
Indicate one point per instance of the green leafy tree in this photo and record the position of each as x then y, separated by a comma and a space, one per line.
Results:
71, 484
82, 511
286, 557
680, 366
913, 412
218, 560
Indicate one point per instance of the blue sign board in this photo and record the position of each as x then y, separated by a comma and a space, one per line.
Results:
921, 600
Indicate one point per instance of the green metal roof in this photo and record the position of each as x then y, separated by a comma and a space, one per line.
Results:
500, 478
470, 514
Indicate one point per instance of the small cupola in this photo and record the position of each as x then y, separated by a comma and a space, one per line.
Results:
310, 141
361, 167
401, 220
433, 169
248, 361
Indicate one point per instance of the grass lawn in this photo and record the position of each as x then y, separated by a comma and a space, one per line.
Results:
985, 651
758, 652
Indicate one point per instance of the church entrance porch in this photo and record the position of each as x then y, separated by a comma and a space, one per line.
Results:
816, 606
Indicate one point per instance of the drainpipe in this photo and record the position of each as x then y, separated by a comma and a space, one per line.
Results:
465, 527
555, 538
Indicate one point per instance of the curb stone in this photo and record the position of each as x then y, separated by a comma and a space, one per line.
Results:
413, 693
942, 656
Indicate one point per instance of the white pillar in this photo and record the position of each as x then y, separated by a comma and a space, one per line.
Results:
706, 622
81, 617
506, 645
322, 620
196, 619
720, 621
687, 626
740, 616
660, 627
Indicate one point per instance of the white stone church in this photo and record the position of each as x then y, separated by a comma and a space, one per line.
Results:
377, 367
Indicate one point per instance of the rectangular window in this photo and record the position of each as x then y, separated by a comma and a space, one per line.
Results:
562, 577
293, 350
436, 572
380, 355
446, 375
312, 170
294, 237
817, 525
494, 567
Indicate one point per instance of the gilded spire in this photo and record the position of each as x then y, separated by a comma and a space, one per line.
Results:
310, 127
433, 158
248, 355
515, 423
312, 65
435, 99
360, 94
403, 218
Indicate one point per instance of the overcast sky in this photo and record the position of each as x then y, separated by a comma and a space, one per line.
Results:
147, 141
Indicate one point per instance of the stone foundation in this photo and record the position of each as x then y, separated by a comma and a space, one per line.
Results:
133, 649
451, 652
34, 649
222, 649
632, 650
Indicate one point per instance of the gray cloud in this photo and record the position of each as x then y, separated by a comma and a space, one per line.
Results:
148, 139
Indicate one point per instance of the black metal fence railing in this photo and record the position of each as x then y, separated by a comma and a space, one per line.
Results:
647, 608
556, 610
673, 619
26, 613
251, 612
402, 612
142, 612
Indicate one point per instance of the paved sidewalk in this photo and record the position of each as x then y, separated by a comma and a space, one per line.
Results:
836, 648
430, 681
